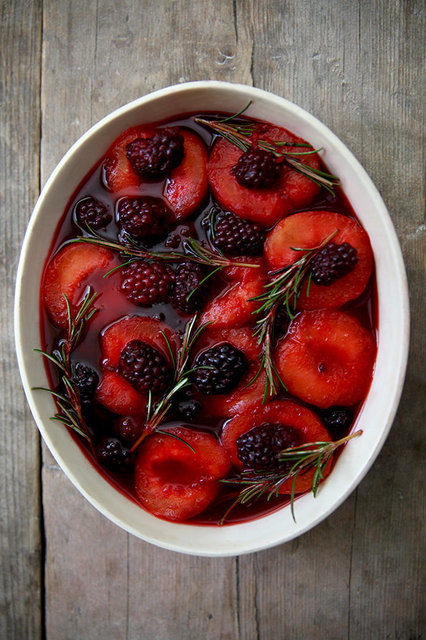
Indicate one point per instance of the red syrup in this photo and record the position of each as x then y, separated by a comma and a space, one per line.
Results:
115, 305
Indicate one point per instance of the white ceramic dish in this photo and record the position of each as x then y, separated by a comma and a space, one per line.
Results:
379, 410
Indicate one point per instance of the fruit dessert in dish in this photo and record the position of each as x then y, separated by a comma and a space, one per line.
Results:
208, 317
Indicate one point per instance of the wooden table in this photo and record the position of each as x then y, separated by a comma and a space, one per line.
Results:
67, 572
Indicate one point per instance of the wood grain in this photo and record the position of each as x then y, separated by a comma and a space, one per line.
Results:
358, 66
20, 539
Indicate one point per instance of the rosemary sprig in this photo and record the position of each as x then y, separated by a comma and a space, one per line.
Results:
131, 250
193, 251
198, 253
68, 402
243, 134
312, 455
283, 291
156, 414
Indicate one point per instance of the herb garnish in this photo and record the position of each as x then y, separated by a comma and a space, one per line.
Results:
68, 401
259, 483
283, 291
157, 413
193, 251
243, 134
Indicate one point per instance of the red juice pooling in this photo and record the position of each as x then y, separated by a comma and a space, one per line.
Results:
235, 322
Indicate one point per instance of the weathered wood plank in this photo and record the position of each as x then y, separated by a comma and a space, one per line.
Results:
172, 596
355, 66
386, 589
155, 593
86, 564
20, 536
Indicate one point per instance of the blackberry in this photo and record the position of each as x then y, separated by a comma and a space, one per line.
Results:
337, 420
282, 322
86, 380
189, 409
173, 241
333, 262
155, 157
235, 236
189, 293
219, 369
90, 212
256, 169
144, 367
143, 218
128, 429
146, 283
259, 448
114, 455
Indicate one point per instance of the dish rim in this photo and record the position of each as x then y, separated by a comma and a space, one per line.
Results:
225, 547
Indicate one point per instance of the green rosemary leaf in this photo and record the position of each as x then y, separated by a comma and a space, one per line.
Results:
157, 413
53, 393
209, 275
235, 115
173, 435
62, 420
68, 402
311, 455
53, 359
118, 267
293, 488
169, 348
241, 134
284, 290
67, 303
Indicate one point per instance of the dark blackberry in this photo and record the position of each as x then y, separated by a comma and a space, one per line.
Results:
143, 218
144, 367
259, 448
189, 409
146, 283
235, 236
86, 380
153, 158
114, 455
333, 262
189, 294
173, 241
337, 420
90, 212
128, 429
219, 369
282, 322
256, 169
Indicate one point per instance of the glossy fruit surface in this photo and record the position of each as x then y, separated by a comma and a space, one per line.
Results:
147, 283
326, 358
267, 205
118, 396
177, 481
307, 425
68, 274
143, 218
233, 307
307, 230
187, 184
